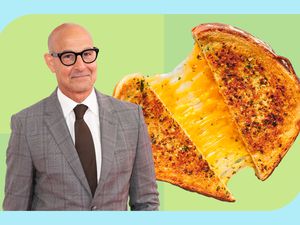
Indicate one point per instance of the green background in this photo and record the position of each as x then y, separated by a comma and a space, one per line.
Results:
149, 44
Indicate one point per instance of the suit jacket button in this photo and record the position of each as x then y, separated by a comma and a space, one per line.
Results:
94, 207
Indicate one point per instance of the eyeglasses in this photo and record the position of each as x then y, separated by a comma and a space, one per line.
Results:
68, 58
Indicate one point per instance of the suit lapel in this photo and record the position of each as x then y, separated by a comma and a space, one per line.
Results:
108, 132
57, 125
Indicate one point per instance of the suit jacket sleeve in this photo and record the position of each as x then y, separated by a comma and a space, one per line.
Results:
19, 173
143, 187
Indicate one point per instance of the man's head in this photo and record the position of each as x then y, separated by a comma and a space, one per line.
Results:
75, 81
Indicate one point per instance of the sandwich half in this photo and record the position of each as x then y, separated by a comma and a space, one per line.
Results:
176, 157
260, 89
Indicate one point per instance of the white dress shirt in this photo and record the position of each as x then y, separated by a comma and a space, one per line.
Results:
91, 117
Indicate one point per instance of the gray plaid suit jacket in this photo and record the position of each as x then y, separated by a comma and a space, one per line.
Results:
44, 171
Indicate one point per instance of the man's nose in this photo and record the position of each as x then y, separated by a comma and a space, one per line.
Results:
79, 64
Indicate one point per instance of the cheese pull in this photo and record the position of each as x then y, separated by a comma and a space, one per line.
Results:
191, 95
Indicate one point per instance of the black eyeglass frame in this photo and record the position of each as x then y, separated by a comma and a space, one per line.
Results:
60, 54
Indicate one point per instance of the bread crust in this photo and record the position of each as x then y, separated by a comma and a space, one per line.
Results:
226, 28
274, 100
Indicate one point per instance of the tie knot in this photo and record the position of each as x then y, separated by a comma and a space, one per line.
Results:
79, 111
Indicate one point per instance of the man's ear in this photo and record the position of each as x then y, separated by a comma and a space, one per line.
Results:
49, 61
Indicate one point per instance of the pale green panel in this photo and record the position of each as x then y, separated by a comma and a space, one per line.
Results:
128, 44
3, 145
279, 31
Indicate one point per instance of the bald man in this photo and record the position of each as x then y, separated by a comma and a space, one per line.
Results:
78, 149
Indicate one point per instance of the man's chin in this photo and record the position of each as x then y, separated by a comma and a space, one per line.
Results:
81, 88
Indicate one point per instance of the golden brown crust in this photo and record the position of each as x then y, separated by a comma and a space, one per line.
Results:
175, 157
225, 28
260, 88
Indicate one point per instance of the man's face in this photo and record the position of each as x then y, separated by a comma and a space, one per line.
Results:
79, 78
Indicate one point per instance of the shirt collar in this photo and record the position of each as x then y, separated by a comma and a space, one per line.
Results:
68, 104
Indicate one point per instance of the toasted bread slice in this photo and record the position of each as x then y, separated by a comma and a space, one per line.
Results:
260, 89
175, 156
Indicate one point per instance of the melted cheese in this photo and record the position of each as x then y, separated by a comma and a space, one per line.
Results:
191, 95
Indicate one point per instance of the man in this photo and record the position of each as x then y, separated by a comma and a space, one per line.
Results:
78, 149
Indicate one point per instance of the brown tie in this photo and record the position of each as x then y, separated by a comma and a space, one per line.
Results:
85, 147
